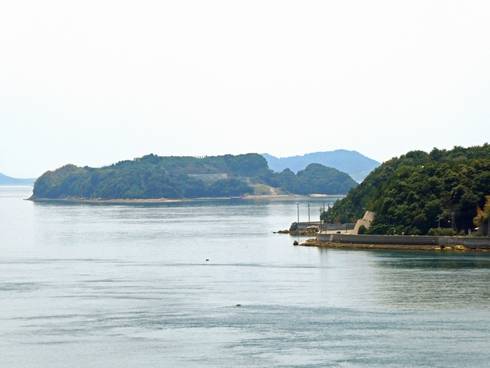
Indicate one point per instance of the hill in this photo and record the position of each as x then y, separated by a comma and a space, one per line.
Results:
353, 163
315, 178
152, 177
7, 180
419, 191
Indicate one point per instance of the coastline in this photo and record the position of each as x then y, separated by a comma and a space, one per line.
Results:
400, 247
267, 197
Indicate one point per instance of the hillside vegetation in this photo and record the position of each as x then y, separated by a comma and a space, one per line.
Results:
417, 192
153, 176
353, 163
312, 180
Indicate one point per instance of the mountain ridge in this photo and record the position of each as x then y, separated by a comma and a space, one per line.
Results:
357, 165
8, 180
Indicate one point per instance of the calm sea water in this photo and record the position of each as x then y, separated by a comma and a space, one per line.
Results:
129, 286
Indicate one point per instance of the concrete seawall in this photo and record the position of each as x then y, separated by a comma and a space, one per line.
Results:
407, 241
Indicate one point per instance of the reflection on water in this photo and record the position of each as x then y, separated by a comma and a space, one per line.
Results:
432, 260
442, 280
126, 286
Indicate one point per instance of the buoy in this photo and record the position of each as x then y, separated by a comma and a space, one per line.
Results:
207, 259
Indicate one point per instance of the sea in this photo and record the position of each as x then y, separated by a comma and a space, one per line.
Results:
209, 284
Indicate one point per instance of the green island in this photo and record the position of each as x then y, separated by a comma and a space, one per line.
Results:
444, 192
155, 177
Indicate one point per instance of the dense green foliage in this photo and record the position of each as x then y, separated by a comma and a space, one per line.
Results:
315, 178
184, 177
482, 218
419, 191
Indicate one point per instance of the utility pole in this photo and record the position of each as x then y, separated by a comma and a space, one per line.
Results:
321, 221
297, 210
309, 220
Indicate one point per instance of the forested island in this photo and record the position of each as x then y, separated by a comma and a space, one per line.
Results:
442, 193
153, 177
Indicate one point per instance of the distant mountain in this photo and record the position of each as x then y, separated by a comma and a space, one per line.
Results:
7, 180
152, 177
353, 163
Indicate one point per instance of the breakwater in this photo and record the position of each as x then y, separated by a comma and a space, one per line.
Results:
408, 241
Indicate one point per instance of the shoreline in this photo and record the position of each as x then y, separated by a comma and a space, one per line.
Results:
267, 197
397, 247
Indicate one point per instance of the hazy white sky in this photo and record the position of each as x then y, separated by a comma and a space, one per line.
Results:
93, 82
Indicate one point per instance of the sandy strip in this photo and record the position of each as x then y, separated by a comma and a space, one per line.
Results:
270, 197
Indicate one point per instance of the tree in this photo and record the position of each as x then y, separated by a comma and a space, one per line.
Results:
482, 218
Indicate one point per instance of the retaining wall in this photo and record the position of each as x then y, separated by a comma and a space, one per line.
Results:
469, 242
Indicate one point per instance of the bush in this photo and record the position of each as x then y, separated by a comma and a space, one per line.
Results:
443, 231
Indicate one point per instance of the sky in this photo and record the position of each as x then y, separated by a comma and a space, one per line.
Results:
96, 82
